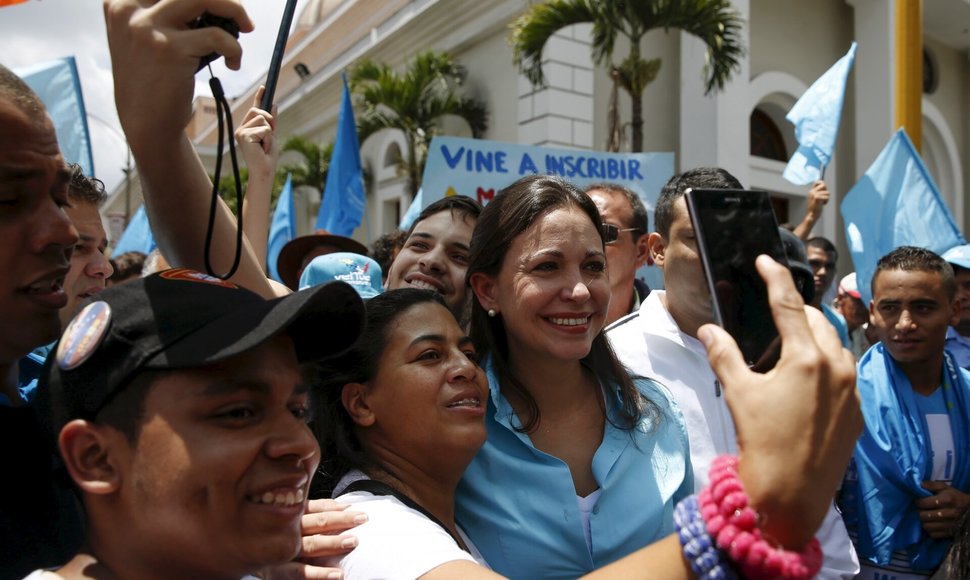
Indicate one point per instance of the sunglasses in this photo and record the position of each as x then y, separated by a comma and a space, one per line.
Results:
611, 233
817, 264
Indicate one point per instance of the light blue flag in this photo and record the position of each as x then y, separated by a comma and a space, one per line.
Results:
414, 210
816, 118
137, 237
282, 229
343, 196
895, 204
57, 84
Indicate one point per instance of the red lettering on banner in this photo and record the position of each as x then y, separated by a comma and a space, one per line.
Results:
484, 195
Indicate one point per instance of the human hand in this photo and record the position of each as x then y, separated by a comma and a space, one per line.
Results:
941, 512
796, 424
323, 523
256, 137
818, 196
154, 56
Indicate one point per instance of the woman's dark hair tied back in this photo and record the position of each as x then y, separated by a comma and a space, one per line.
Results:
332, 425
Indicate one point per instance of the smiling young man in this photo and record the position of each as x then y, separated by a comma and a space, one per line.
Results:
179, 411
907, 485
435, 254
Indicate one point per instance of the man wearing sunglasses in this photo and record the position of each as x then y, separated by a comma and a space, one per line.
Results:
625, 231
823, 257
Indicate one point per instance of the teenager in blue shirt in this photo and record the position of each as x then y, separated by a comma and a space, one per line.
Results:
907, 486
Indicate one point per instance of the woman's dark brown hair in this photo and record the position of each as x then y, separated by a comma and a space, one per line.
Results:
506, 217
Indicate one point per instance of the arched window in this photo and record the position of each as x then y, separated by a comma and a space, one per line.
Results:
392, 155
766, 139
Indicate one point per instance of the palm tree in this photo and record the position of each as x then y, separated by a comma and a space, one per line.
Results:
312, 171
413, 102
316, 161
713, 21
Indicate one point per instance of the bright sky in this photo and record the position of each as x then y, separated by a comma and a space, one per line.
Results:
41, 30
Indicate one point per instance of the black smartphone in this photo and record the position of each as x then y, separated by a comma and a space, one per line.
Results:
266, 103
732, 227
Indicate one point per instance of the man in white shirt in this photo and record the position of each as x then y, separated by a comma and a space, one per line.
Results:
660, 341
625, 229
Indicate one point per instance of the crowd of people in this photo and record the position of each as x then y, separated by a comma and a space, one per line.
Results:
491, 393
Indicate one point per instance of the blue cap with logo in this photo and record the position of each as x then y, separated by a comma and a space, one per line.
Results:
958, 256
361, 272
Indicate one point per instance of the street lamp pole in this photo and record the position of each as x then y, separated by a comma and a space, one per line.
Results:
127, 168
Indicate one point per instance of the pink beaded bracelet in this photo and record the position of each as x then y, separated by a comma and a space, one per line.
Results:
734, 526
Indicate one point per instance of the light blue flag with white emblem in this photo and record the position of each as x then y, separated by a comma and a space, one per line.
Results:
816, 118
57, 84
895, 204
137, 237
414, 210
343, 196
282, 229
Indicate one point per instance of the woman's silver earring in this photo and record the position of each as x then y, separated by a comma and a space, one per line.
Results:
492, 313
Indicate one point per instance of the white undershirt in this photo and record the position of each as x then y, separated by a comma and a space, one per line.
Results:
586, 505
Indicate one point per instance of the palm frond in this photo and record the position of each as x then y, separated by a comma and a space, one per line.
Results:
716, 22
532, 30
413, 101
316, 160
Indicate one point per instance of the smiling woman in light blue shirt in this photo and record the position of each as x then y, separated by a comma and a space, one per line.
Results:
582, 465
519, 505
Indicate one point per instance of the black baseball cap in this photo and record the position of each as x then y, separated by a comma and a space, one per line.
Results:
181, 319
798, 264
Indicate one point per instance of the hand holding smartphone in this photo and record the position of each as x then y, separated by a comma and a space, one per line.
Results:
732, 228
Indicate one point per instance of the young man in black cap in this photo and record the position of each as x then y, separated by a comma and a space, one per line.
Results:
179, 411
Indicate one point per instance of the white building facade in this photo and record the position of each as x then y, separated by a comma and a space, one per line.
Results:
741, 128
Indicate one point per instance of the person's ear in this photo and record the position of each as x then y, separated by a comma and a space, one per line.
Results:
91, 453
354, 399
657, 246
643, 250
484, 288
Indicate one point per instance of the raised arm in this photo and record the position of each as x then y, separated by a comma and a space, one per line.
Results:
154, 55
256, 137
818, 196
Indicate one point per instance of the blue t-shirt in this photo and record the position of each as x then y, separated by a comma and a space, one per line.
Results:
899, 449
28, 373
518, 504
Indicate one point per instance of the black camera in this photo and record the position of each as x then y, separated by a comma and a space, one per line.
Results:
227, 24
